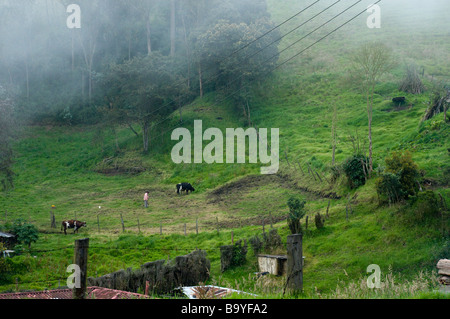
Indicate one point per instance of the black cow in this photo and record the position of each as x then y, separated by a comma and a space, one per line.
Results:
184, 187
75, 224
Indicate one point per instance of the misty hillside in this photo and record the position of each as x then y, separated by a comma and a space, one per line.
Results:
89, 108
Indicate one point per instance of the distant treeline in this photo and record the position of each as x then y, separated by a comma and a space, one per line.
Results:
131, 61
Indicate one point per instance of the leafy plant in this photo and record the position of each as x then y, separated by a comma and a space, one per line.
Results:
296, 212
355, 170
26, 233
389, 188
319, 221
401, 164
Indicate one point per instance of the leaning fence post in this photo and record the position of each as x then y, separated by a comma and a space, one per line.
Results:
123, 225
217, 221
80, 259
294, 279
139, 226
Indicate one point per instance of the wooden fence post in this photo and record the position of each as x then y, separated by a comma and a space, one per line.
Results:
301, 169
294, 281
328, 207
123, 225
80, 259
52, 220
139, 226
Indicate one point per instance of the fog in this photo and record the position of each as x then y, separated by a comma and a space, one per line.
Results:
50, 67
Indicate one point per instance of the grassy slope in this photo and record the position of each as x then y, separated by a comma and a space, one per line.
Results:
56, 167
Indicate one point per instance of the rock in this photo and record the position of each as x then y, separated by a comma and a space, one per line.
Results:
444, 280
444, 267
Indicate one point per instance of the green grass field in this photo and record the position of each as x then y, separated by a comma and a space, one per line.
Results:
73, 168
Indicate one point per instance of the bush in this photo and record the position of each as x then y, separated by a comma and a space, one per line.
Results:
426, 206
389, 188
26, 233
319, 221
355, 171
270, 242
402, 165
256, 244
296, 212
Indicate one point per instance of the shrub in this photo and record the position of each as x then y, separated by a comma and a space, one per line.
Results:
256, 244
26, 233
402, 165
354, 168
272, 239
389, 188
296, 212
426, 206
319, 220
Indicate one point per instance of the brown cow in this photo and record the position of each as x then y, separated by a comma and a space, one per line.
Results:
75, 224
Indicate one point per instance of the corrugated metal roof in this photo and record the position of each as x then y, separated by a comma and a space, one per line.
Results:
209, 292
6, 235
93, 293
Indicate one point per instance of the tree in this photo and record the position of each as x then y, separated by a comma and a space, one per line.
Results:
236, 54
26, 233
145, 89
370, 62
6, 153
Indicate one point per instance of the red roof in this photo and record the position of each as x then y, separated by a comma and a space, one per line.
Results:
93, 293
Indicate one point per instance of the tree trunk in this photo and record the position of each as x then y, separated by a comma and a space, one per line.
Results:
188, 53
172, 27
200, 79
73, 53
27, 75
146, 134
149, 42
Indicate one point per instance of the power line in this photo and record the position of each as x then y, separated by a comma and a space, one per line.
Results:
236, 51
278, 39
297, 54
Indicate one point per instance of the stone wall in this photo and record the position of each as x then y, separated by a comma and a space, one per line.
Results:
163, 278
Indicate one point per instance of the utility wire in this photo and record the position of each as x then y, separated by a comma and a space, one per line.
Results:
235, 52
279, 65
